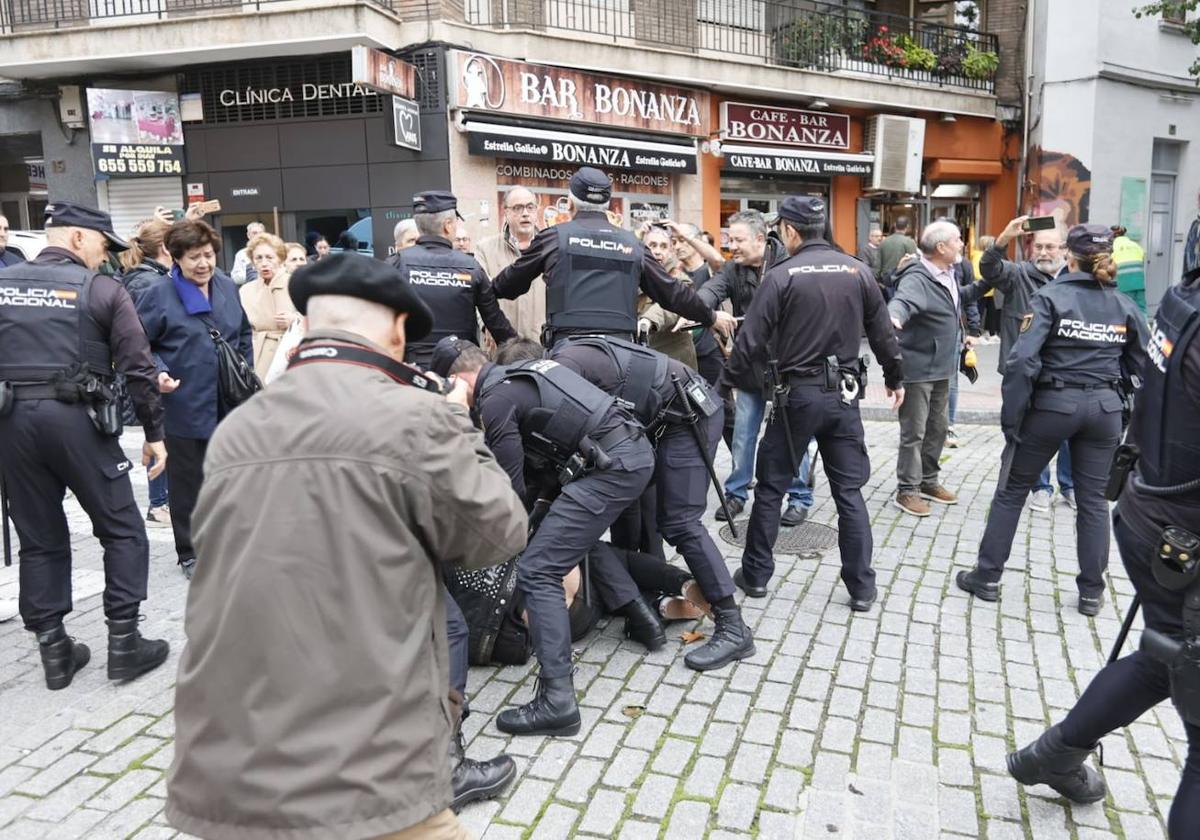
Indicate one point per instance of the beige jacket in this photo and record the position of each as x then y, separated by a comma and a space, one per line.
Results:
528, 312
678, 346
312, 694
260, 303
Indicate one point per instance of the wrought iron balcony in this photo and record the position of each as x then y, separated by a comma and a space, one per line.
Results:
805, 34
40, 15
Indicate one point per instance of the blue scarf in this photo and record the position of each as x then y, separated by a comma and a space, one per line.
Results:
194, 300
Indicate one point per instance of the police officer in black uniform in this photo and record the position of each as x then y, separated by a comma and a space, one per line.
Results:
450, 282
1075, 356
669, 399
63, 329
593, 271
804, 328
1156, 521
543, 421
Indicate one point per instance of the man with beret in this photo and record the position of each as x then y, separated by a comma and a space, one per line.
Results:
450, 282
64, 330
804, 328
593, 271
556, 433
312, 699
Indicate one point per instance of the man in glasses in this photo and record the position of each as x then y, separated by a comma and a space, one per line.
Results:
528, 312
1018, 281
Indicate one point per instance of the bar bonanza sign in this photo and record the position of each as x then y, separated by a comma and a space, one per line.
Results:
745, 123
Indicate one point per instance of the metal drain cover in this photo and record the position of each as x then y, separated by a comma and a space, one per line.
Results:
805, 539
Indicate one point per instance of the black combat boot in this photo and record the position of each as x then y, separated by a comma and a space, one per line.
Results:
731, 640
642, 624
477, 780
552, 711
62, 656
1049, 761
129, 655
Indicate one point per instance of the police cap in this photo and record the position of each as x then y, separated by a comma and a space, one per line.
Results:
803, 210
445, 354
1090, 240
435, 201
66, 214
354, 275
591, 185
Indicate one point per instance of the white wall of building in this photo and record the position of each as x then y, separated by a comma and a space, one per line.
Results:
1106, 86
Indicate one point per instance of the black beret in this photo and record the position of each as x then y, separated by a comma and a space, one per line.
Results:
1089, 240
445, 354
65, 214
803, 209
591, 185
435, 201
355, 275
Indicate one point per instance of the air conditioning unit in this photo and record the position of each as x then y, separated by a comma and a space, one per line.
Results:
898, 144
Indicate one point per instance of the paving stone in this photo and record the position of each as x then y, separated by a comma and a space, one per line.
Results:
738, 806
654, 796
603, 813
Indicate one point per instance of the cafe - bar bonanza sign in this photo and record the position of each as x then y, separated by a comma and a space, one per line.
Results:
135, 133
486, 83
743, 123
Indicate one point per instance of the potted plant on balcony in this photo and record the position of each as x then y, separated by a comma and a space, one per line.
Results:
916, 57
810, 41
881, 48
979, 64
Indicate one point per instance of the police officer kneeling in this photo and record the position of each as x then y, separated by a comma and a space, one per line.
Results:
1076, 353
63, 330
805, 324
449, 282
1157, 526
540, 418
680, 413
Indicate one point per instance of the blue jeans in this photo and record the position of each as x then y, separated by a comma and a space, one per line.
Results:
1065, 484
953, 408
158, 488
747, 423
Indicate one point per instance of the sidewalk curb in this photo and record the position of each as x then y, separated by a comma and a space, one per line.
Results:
970, 417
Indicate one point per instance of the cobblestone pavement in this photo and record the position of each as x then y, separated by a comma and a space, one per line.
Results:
889, 724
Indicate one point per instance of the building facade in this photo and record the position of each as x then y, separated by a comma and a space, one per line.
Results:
1115, 127
696, 109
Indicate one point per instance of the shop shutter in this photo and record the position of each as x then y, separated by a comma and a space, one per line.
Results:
132, 200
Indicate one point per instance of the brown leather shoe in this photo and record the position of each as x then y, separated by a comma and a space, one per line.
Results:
939, 494
911, 503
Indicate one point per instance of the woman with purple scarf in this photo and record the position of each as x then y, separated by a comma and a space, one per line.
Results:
178, 310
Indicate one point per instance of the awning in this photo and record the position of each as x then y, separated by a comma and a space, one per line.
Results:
960, 169
521, 143
778, 161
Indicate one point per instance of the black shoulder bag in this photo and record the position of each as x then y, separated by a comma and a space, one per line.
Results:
236, 380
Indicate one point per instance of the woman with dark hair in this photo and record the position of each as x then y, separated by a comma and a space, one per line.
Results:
178, 313
1081, 344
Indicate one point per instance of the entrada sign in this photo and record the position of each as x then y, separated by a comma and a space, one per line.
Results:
784, 126
485, 83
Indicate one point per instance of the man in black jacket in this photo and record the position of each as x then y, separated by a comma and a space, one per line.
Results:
7, 257
1018, 281
754, 252
450, 282
927, 310
812, 310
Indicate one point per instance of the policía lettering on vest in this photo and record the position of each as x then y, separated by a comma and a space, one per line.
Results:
424, 277
55, 298
1159, 350
1084, 331
600, 244
822, 269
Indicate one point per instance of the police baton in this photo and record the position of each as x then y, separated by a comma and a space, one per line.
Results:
4, 518
1126, 626
689, 417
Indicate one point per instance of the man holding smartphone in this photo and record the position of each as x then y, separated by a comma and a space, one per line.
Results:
1018, 281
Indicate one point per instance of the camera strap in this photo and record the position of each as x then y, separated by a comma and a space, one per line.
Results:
350, 354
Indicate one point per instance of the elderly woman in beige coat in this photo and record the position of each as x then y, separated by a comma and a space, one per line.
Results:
266, 300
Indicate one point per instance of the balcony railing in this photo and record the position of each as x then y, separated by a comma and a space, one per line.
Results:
806, 34
36, 15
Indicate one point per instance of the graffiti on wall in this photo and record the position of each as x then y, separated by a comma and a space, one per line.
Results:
1060, 185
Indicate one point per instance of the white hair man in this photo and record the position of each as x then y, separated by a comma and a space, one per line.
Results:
927, 311
243, 267
497, 252
405, 234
